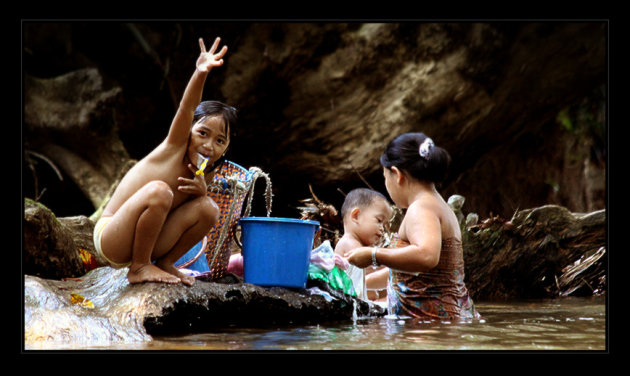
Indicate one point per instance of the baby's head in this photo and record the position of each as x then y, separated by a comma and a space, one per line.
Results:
418, 156
365, 214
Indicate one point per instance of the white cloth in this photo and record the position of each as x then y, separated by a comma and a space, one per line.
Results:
357, 275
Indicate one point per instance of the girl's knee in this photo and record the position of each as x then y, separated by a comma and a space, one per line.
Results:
208, 211
159, 194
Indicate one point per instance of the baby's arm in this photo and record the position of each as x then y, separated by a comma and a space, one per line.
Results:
339, 248
377, 280
180, 127
344, 245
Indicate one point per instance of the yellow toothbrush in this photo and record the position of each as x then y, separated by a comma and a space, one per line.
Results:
202, 167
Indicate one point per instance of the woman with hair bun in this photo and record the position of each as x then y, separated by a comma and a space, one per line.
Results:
426, 278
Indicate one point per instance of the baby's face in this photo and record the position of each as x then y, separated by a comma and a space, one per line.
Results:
372, 222
208, 139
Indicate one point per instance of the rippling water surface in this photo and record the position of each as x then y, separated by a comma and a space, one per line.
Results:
559, 324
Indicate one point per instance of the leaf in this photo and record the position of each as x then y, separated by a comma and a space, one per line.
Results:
81, 301
89, 261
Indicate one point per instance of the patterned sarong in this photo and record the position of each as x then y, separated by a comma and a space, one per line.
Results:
439, 294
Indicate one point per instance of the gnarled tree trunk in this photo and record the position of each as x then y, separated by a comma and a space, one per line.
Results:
541, 252
71, 120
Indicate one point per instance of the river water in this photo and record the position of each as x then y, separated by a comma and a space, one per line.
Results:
576, 324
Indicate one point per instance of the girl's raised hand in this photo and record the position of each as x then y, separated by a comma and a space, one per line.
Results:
210, 59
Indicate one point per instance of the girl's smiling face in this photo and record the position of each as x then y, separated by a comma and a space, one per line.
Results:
208, 139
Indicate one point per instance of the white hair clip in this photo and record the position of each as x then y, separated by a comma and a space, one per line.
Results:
425, 147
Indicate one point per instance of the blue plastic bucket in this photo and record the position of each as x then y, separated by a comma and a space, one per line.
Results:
277, 251
200, 265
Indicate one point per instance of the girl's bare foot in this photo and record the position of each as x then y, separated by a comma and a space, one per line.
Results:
172, 269
149, 273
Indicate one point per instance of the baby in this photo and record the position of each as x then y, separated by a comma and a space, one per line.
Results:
160, 209
365, 214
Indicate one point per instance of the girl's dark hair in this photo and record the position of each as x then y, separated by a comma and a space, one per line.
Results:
403, 152
216, 108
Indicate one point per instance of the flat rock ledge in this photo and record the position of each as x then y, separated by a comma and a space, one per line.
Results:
102, 308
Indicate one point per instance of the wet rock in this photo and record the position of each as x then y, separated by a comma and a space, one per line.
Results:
456, 202
472, 219
50, 249
52, 318
110, 310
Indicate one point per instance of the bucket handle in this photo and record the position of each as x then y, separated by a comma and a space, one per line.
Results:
256, 173
238, 241
194, 259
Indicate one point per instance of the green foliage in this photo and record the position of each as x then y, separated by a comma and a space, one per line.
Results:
565, 120
586, 117
585, 122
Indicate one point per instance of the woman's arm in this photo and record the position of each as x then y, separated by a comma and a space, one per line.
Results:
424, 233
182, 122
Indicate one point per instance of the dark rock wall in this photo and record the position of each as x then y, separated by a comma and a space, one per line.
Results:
319, 101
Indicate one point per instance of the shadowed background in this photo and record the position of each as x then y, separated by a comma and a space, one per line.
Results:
521, 106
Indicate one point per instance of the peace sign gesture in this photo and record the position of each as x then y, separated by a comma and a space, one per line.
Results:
210, 59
